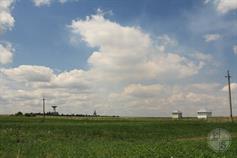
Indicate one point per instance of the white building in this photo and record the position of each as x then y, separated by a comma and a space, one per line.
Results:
176, 114
203, 114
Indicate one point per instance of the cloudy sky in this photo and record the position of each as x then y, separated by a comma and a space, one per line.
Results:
119, 57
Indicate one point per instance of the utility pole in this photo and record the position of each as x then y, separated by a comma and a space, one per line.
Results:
44, 107
228, 77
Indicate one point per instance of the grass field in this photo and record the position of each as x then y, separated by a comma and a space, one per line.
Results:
109, 138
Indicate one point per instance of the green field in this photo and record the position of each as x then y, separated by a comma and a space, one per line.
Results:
109, 138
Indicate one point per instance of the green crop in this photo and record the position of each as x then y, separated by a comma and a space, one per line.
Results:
26, 137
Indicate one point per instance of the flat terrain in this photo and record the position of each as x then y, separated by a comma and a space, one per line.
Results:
109, 138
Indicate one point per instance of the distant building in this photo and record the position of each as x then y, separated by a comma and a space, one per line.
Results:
203, 114
176, 114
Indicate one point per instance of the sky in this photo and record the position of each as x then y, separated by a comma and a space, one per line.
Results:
118, 57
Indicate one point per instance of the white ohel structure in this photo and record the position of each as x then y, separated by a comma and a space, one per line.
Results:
203, 114
176, 114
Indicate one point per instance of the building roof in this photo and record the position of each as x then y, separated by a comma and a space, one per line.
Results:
203, 110
176, 111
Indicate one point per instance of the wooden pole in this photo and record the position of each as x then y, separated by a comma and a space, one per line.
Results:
44, 108
230, 99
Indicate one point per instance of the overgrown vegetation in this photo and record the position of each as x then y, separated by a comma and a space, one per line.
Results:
109, 138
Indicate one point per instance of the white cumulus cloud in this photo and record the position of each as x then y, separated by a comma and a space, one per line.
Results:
6, 19
39, 3
235, 49
223, 6
6, 53
29, 73
128, 53
233, 87
42, 2
212, 37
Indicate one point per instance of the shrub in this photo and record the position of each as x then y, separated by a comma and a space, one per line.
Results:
19, 114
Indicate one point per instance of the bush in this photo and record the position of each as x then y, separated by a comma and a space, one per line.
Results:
30, 115
19, 114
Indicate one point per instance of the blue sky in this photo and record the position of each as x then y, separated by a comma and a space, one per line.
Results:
192, 42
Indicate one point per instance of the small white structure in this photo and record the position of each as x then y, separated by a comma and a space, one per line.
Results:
203, 114
176, 114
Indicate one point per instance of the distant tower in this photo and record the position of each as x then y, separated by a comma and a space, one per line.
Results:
55, 113
95, 114
54, 109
